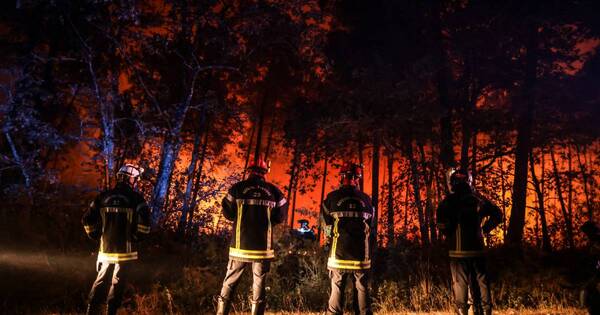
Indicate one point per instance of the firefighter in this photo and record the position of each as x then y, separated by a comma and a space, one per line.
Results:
255, 206
349, 211
464, 217
590, 295
118, 218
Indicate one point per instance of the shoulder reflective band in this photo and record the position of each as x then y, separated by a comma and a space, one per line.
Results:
465, 253
281, 202
143, 229
251, 254
258, 202
351, 214
229, 198
348, 264
117, 257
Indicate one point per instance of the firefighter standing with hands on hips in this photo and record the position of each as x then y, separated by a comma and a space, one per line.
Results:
255, 206
118, 218
464, 217
349, 211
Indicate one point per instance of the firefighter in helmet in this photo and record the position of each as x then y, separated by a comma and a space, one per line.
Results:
118, 218
255, 206
464, 217
349, 213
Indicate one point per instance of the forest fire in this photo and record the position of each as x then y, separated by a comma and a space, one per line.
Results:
442, 155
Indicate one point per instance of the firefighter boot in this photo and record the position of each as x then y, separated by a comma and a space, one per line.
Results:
223, 306
258, 308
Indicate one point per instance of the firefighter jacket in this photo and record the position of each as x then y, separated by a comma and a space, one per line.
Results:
254, 206
350, 213
118, 218
463, 218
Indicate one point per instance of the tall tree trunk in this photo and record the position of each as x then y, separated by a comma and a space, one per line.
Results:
293, 175
561, 200
546, 244
198, 179
294, 205
261, 122
524, 129
415, 176
249, 150
503, 188
190, 182
323, 184
584, 177
375, 187
428, 174
168, 156
390, 201
442, 78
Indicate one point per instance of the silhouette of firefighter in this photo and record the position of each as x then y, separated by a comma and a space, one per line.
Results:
590, 295
464, 217
118, 218
255, 206
349, 213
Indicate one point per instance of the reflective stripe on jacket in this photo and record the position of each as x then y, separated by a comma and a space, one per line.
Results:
349, 212
118, 218
254, 206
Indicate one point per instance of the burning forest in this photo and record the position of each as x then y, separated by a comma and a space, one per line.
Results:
441, 156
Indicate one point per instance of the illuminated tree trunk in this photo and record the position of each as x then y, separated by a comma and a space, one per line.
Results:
503, 191
565, 212
293, 175
390, 201
415, 176
375, 186
546, 244
261, 122
249, 150
168, 156
190, 182
197, 180
524, 126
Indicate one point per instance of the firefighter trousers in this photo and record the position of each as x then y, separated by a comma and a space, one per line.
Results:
360, 279
109, 286
235, 269
471, 273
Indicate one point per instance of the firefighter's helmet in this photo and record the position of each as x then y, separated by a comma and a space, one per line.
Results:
351, 172
458, 176
260, 166
129, 171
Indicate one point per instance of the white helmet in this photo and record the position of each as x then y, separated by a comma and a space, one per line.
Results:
130, 170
